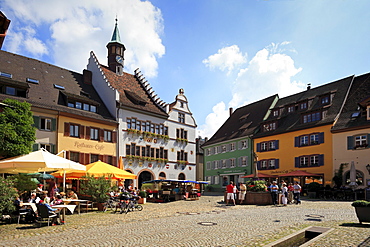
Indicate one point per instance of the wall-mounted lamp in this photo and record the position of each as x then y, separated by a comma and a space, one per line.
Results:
368, 168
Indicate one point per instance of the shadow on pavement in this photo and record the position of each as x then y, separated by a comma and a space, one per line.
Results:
356, 225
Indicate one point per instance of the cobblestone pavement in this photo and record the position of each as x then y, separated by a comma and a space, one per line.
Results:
205, 222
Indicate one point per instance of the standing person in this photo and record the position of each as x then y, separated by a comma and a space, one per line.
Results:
274, 190
235, 191
297, 191
243, 191
284, 199
51, 189
290, 193
230, 193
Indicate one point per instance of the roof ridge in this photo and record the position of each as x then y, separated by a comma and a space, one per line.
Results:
149, 90
100, 69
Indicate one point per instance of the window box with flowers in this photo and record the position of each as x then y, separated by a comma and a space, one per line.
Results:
183, 162
182, 140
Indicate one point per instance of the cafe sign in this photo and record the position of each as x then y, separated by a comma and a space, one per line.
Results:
89, 146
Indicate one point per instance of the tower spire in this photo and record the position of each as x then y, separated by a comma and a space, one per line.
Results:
116, 51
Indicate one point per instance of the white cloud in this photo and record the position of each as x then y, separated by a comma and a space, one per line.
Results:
214, 120
77, 27
269, 72
227, 58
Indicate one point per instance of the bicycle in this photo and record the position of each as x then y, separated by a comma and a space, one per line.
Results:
112, 203
134, 205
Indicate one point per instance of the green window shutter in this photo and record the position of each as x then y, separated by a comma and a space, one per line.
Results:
53, 124
368, 140
36, 121
350, 142
35, 146
53, 148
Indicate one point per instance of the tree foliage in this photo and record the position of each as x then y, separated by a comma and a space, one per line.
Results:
7, 195
98, 188
17, 133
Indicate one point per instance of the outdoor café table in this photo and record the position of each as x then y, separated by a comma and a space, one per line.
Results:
71, 208
32, 205
68, 201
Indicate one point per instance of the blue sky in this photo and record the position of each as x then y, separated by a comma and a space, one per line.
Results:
222, 53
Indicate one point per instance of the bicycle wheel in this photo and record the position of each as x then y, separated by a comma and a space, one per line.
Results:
139, 207
105, 207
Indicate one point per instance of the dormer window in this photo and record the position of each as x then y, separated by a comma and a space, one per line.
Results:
325, 100
276, 113
269, 126
303, 105
290, 109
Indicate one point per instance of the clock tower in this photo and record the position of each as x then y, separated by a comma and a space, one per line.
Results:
116, 52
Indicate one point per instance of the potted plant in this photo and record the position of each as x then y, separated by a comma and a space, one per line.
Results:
313, 188
98, 188
143, 195
362, 209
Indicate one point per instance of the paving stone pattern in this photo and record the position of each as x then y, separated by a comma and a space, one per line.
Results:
205, 222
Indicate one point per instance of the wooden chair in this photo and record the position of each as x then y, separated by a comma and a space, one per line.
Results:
21, 214
43, 213
87, 205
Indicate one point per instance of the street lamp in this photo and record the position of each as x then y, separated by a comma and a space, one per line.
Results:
368, 168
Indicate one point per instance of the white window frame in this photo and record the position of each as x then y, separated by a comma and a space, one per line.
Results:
232, 146
46, 122
244, 161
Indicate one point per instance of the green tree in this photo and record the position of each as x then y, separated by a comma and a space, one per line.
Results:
98, 188
7, 196
17, 133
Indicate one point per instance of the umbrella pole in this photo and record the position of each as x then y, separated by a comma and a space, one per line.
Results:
64, 181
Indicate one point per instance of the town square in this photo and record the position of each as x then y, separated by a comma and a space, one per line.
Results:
184, 123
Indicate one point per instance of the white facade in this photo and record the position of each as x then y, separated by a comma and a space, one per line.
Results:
168, 150
171, 166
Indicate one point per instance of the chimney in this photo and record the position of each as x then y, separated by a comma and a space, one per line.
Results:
231, 111
308, 86
87, 75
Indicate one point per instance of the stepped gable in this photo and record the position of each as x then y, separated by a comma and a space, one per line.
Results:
353, 115
44, 94
134, 93
292, 121
243, 121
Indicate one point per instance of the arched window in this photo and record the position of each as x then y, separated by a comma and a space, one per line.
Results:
359, 178
162, 175
181, 176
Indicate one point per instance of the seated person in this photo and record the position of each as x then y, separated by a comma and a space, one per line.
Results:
52, 211
34, 198
72, 195
45, 197
57, 200
30, 214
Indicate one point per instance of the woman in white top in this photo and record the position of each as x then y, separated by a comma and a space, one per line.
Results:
284, 199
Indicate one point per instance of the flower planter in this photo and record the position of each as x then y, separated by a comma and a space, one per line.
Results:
254, 198
142, 200
258, 198
363, 214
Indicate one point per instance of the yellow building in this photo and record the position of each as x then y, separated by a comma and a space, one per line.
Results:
297, 133
68, 113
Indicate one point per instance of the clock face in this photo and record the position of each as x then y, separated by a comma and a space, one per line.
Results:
119, 59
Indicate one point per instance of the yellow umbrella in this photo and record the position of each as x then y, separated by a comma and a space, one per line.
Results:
99, 169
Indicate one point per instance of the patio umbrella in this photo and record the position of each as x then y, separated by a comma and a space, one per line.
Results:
38, 161
98, 169
352, 175
299, 174
259, 175
40, 175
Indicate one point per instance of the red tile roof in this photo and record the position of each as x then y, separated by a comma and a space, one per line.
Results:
132, 92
